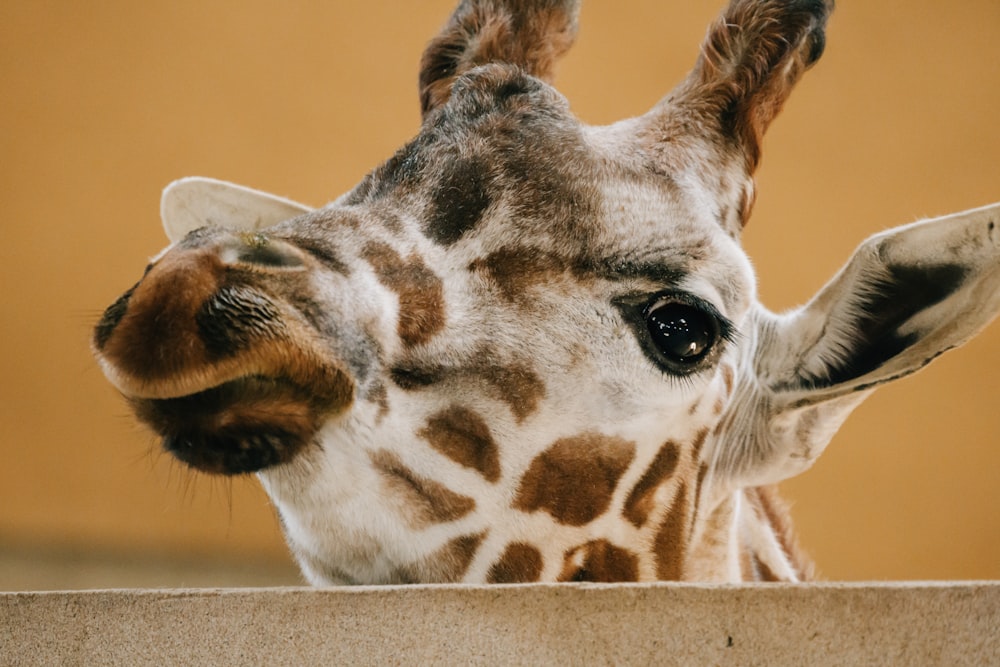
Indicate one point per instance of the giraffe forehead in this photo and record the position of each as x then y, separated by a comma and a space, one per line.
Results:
507, 178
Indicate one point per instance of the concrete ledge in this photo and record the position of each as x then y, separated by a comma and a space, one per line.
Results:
891, 624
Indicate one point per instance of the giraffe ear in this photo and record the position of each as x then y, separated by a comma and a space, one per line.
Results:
905, 297
190, 203
532, 34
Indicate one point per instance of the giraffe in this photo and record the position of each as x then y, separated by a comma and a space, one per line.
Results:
527, 349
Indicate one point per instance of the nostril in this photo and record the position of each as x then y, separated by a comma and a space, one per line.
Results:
112, 316
259, 250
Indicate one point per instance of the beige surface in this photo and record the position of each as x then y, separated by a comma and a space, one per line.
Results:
105, 103
565, 624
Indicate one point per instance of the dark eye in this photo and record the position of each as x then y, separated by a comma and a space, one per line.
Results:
684, 334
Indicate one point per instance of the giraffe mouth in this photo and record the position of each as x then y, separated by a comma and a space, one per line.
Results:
240, 426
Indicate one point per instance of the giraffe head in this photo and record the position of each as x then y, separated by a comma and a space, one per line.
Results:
525, 348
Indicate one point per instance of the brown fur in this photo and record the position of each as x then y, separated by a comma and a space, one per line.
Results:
671, 538
602, 561
574, 478
421, 294
463, 436
422, 501
640, 501
520, 563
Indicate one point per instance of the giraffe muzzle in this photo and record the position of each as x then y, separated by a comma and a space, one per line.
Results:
211, 357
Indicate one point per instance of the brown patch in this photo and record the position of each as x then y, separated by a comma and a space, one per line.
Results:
747, 199
463, 436
702, 472
423, 500
446, 565
515, 270
698, 443
460, 199
599, 560
574, 479
728, 379
640, 500
748, 570
720, 405
420, 291
515, 384
151, 331
518, 386
670, 542
760, 569
520, 563
380, 397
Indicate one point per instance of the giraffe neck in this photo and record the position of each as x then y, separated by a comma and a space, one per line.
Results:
746, 537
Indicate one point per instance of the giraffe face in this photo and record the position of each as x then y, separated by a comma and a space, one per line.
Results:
524, 348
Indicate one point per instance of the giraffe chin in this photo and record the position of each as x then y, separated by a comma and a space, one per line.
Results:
238, 427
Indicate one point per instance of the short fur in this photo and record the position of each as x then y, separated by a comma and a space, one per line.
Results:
527, 349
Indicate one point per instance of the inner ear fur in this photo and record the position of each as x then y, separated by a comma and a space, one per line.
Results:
532, 34
905, 297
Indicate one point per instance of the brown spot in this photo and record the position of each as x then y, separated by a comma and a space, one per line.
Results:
518, 386
720, 405
515, 270
670, 544
515, 384
459, 200
747, 199
574, 479
599, 560
702, 472
423, 500
698, 443
463, 436
446, 565
728, 378
420, 291
748, 570
450, 563
760, 569
380, 397
520, 563
639, 503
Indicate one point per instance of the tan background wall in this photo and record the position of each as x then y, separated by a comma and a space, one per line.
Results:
102, 104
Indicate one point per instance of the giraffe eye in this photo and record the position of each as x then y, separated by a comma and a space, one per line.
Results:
681, 332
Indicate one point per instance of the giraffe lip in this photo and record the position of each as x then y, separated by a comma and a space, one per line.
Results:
239, 426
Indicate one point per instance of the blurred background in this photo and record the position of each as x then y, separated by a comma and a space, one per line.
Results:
106, 102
